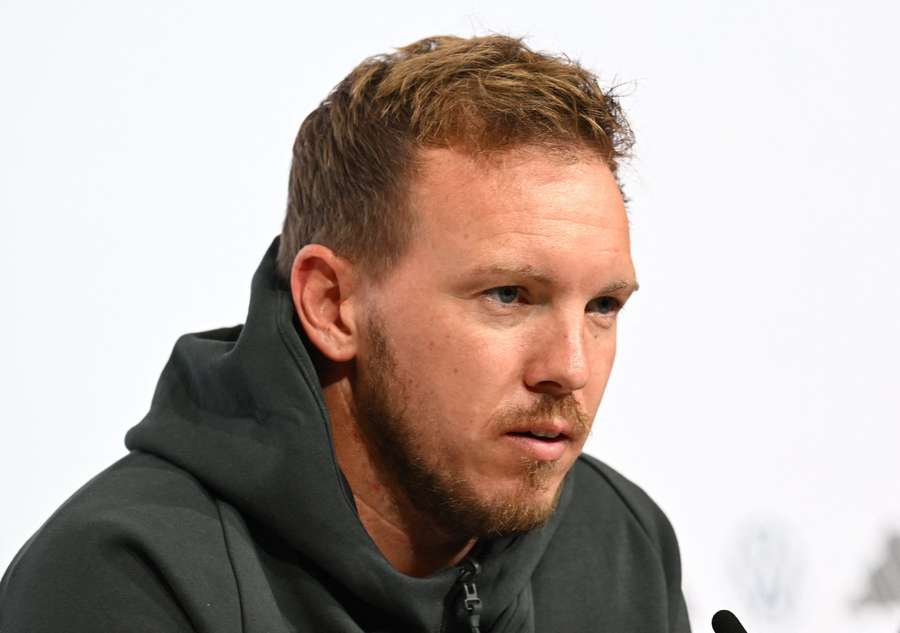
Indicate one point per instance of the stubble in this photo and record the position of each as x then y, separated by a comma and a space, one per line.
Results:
451, 502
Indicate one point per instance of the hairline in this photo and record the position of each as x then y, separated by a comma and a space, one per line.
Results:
565, 151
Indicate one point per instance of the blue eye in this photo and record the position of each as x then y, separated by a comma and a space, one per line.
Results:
606, 306
504, 294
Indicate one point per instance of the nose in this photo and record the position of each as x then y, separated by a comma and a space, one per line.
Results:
559, 361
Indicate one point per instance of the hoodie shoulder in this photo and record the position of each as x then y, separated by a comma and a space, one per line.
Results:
624, 521
597, 480
138, 548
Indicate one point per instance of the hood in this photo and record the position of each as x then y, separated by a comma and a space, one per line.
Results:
241, 409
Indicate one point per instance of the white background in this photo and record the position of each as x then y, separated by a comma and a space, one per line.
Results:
144, 154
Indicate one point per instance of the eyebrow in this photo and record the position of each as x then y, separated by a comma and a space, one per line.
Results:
621, 284
540, 276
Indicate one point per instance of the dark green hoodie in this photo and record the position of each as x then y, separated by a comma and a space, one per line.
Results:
230, 514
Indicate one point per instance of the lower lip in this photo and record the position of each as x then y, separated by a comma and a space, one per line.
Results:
541, 450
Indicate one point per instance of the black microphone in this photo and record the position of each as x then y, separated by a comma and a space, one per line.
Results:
726, 622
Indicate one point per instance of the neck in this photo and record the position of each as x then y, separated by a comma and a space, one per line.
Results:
411, 542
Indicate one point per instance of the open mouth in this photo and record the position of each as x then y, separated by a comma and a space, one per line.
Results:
538, 445
539, 435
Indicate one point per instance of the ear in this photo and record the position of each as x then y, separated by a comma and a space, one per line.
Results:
321, 286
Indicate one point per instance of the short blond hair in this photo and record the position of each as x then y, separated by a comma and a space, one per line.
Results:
355, 154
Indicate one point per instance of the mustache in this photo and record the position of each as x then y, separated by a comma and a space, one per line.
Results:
546, 408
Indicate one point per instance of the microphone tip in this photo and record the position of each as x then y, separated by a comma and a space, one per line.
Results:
725, 621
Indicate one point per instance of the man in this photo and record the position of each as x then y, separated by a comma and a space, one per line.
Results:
392, 441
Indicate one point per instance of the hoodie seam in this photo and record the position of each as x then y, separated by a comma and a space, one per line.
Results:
237, 582
314, 388
279, 322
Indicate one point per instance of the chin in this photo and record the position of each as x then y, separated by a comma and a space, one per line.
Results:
521, 506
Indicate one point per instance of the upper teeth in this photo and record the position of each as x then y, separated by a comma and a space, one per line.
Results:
544, 434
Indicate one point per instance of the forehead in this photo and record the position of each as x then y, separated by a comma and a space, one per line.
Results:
523, 204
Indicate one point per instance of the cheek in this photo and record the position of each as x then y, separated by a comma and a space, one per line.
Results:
456, 371
602, 357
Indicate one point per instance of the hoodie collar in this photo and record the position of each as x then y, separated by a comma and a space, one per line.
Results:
241, 409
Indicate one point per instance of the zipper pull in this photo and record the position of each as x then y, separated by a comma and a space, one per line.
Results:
471, 601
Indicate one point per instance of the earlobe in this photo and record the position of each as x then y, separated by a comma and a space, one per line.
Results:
321, 288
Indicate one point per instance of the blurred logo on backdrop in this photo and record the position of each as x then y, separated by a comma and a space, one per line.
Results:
882, 587
767, 568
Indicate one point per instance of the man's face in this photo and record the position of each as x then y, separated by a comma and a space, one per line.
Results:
489, 345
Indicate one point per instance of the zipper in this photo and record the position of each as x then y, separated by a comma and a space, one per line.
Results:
471, 602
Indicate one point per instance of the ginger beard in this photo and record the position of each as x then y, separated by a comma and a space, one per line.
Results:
449, 500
